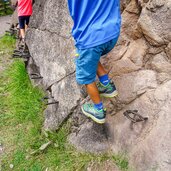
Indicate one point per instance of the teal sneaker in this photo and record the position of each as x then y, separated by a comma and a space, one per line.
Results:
107, 91
96, 115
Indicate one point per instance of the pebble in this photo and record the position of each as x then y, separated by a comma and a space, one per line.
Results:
11, 166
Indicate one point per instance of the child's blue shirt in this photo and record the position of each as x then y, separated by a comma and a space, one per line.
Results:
95, 21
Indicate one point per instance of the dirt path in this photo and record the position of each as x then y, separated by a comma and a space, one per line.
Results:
4, 24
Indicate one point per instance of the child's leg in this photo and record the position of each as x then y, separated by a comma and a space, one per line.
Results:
23, 22
107, 87
95, 111
27, 18
102, 74
26, 26
93, 93
22, 32
22, 26
86, 68
100, 70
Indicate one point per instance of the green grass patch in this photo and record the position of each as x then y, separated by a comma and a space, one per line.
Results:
5, 8
7, 44
23, 97
8, 12
121, 161
21, 120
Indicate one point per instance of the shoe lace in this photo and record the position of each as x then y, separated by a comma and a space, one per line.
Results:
100, 85
90, 105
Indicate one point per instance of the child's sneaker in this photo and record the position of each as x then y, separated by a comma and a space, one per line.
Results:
107, 91
96, 115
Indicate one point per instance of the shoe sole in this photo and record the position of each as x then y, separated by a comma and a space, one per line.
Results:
114, 94
99, 121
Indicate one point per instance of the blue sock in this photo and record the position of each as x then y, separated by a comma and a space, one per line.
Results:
104, 79
99, 106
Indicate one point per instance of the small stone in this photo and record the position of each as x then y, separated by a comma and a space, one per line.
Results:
27, 157
56, 145
11, 166
44, 146
160, 63
34, 152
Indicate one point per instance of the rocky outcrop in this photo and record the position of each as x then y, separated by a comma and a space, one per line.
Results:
51, 47
140, 66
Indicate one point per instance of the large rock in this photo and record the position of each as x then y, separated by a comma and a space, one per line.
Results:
156, 28
146, 141
55, 60
91, 137
52, 50
132, 85
130, 14
140, 67
168, 50
161, 63
67, 96
129, 59
154, 147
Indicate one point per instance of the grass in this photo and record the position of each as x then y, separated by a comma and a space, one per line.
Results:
8, 12
7, 44
21, 120
4, 12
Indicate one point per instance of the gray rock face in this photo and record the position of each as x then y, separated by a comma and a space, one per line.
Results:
91, 137
51, 47
147, 142
155, 27
140, 66
67, 95
143, 84
137, 83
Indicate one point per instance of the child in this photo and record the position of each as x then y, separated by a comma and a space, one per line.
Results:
96, 30
24, 13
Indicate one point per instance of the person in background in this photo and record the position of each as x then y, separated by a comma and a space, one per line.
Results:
96, 30
24, 12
